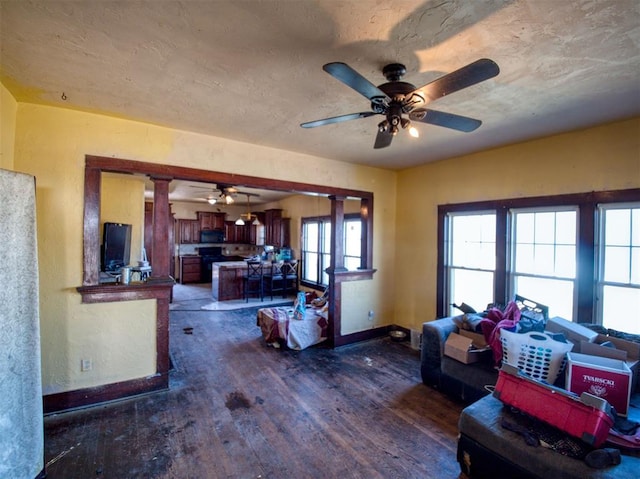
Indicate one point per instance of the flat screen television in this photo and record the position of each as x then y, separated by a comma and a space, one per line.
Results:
116, 246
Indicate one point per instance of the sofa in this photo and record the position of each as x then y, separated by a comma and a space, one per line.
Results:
467, 382
485, 448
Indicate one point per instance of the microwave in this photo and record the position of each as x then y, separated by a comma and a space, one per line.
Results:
212, 236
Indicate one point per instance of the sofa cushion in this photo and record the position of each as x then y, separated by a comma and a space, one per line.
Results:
481, 421
476, 376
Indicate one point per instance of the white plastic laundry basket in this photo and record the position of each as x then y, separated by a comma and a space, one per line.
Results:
535, 354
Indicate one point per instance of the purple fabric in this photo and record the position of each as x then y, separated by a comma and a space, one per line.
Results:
494, 322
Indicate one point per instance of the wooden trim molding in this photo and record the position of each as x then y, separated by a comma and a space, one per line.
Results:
105, 293
159, 286
587, 203
363, 335
99, 394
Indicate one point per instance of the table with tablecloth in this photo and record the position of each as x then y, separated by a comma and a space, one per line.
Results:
278, 325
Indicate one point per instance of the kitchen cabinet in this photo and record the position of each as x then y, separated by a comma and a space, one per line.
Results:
190, 269
210, 220
227, 282
276, 228
188, 231
234, 233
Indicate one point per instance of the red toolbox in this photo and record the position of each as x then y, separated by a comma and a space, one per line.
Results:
587, 417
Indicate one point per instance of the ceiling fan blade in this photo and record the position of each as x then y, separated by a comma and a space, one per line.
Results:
464, 77
383, 139
337, 119
351, 78
447, 120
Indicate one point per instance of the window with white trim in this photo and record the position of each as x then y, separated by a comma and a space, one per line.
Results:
543, 259
316, 248
471, 259
618, 280
578, 254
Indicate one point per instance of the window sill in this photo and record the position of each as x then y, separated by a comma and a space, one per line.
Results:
353, 275
107, 293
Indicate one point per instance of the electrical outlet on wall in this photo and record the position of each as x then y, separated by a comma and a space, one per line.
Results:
371, 314
85, 365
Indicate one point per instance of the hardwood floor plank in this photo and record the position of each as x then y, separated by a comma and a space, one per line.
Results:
240, 409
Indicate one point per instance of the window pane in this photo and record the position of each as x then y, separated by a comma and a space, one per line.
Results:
618, 227
352, 238
326, 262
543, 256
524, 258
566, 227
311, 236
545, 227
524, 229
635, 266
620, 308
616, 263
310, 261
473, 241
351, 263
472, 287
566, 261
326, 238
555, 293
553, 251
635, 230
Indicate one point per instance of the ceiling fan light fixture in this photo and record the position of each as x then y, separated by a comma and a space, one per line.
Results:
211, 201
228, 199
413, 131
404, 123
240, 222
256, 222
383, 126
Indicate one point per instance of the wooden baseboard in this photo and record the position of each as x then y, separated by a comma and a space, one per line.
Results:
361, 336
109, 392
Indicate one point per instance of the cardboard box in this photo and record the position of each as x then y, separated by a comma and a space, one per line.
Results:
461, 348
623, 350
607, 378
574, 332
477, 339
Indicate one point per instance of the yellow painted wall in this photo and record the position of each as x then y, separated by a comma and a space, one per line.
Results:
51, 144
602, 158
356, 296
122, 201
8, 109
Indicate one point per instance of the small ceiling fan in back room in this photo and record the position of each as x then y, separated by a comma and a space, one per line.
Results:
221, 194
401, 102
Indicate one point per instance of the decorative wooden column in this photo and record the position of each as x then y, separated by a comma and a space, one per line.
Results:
366, 218
336, 266
160, 252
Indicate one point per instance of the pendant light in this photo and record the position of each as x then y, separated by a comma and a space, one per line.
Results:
247, 215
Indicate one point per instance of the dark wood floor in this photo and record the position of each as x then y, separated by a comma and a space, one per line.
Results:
240, 409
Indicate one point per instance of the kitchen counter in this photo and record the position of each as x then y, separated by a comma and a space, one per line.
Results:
227, 279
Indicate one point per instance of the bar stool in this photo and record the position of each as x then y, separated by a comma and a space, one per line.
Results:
274, 279
254, 280
290, 276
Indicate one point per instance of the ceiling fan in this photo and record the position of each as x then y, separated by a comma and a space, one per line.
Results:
221, 194
401, 102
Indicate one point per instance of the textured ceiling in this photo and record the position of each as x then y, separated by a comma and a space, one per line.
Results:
252, 70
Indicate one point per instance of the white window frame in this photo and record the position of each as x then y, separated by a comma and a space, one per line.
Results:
325, 244
600, 248
450, 268
513, 275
